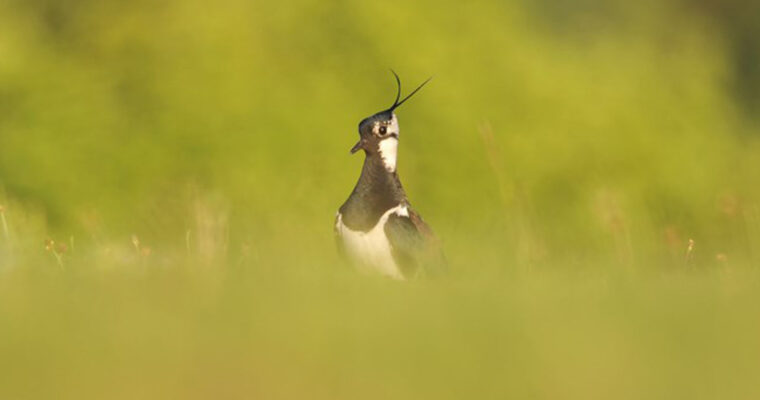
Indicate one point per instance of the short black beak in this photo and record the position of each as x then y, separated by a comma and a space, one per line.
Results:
357, 147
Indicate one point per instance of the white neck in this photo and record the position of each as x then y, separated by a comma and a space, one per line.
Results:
388, 150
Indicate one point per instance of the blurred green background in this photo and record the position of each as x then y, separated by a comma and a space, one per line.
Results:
170, 170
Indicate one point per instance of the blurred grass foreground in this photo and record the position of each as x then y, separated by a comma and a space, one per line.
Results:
169, 172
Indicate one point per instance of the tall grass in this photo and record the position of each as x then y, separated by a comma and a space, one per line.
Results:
121, 321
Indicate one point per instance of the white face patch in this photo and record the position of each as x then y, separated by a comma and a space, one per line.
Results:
388, 146
388, 149
393, 126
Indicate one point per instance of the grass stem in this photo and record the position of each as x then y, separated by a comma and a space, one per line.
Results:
59, 259
5, 223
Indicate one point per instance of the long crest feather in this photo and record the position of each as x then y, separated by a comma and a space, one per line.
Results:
398, 103
398, 93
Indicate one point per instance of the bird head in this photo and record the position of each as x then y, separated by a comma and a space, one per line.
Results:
378, 133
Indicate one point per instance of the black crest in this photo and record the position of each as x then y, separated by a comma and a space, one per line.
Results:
397, 103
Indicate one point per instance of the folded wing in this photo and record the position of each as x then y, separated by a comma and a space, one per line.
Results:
414, 247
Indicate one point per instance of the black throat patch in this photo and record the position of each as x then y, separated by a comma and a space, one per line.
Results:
377, 191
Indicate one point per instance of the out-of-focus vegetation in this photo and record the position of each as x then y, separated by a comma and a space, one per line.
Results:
169, 172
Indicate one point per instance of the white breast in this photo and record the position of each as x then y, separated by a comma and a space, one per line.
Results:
371, 250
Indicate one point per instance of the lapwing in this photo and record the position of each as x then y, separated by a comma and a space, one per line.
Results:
376, 227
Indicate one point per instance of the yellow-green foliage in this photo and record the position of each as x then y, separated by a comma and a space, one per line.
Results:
169, 173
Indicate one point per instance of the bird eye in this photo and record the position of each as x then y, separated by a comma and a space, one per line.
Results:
382, 130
